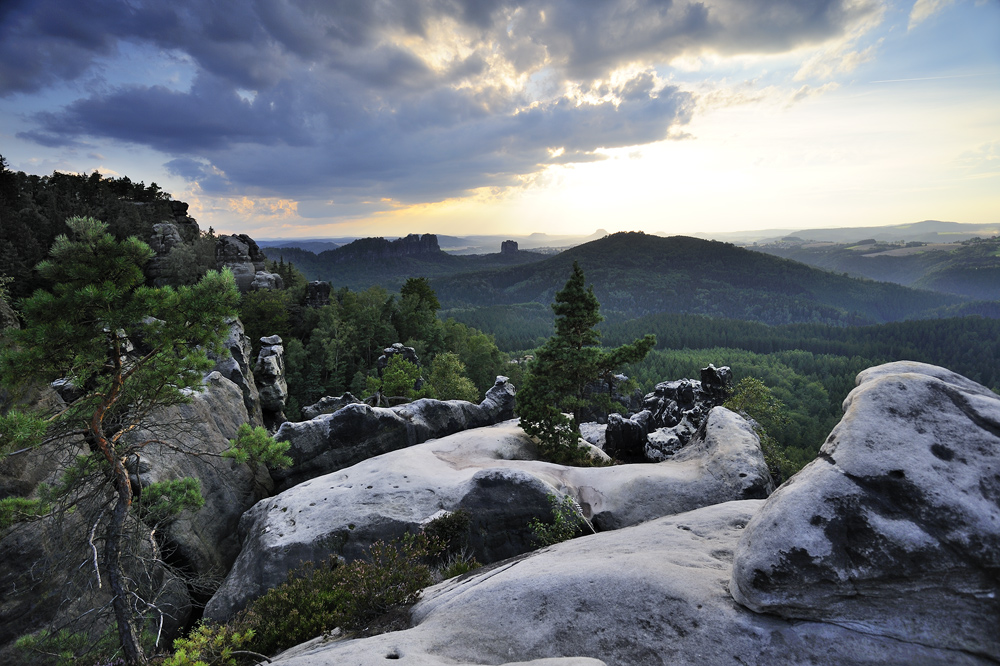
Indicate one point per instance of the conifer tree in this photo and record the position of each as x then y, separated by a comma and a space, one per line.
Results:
126, 349
556, 381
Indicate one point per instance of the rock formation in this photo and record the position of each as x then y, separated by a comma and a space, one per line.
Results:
263, 280
882, 551
671, 416
328, 405
508, 247
378, 249
317, 294
270, 375
397, 349
490, 472
895, 528
241, 255
331, 442
236, 368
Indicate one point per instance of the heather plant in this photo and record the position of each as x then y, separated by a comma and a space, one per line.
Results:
567, 522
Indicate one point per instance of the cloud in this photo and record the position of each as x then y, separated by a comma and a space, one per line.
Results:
923, 9
414, 101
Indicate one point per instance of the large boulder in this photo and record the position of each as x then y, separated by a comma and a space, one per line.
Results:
493, 474
895, 528
356, 432
649, 595
242, 256
317, 294
328, 405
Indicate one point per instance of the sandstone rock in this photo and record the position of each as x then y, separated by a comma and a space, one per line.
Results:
648, 595
328, 405
895, 529
266, 281
317, 294
397, 349
242, 255
165, 237
269, 374
236, 367
508, 247
492, 473
187, 441
330, 442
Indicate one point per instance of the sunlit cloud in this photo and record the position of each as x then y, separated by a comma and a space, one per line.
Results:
923, 9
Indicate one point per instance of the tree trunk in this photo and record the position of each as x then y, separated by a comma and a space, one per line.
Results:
124, 617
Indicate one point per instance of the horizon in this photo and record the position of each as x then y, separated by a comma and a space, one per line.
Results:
298, 121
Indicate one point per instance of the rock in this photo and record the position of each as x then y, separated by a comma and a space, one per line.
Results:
397, 349
594, 433
895, 528
8, 318
266, 281
241, 255
328, 405
317, 294
205, 540
626, 437
648, 595
490, 472
676, 408
356, 432
166, 237
269, 374
236, 368
508, 247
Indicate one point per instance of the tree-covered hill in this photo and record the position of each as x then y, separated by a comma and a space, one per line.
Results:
970, 268
636, 274
374, 261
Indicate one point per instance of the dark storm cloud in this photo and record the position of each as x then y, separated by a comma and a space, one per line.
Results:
304, 96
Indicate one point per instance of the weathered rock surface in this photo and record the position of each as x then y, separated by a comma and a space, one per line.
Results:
237, 368
240, 254
491, 473
672, 413
895, 529
206, 539
649, 595
328, 405
317, 294
269, 374
263, 280
397, 349
356, 432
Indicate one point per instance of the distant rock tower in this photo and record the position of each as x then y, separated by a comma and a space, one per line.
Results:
508, 247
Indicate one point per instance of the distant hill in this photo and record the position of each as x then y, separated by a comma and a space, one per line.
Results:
636, 274
927, 231
969, 268
378, 261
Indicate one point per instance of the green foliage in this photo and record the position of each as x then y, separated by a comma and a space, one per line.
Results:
72, 648
213, 645
398, 380
754, 400
557, 379
256, 446
349, 595
21, 509
459, 564
20, 430
448, 380
164, 500
567, 522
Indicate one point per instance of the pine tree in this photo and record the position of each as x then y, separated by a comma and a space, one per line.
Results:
570, 360
127, 349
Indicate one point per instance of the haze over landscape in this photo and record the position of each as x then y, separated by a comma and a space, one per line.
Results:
338, 119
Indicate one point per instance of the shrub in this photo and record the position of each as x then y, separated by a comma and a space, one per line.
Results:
567, 522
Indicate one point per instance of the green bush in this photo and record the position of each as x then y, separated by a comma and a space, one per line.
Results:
567, 522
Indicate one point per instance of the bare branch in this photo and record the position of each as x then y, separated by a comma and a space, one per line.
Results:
93, 548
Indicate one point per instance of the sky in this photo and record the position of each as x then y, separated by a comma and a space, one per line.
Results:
329, 118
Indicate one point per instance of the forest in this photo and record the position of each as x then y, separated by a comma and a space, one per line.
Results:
805, 332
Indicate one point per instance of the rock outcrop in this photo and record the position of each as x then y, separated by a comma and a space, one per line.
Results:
269, 373
672, 414
649, 595
380, 249
328, 405
317, 294
490, 472
263, 281
895, 528
236, 367
397, 349
508, 247
331, 442
240, 254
